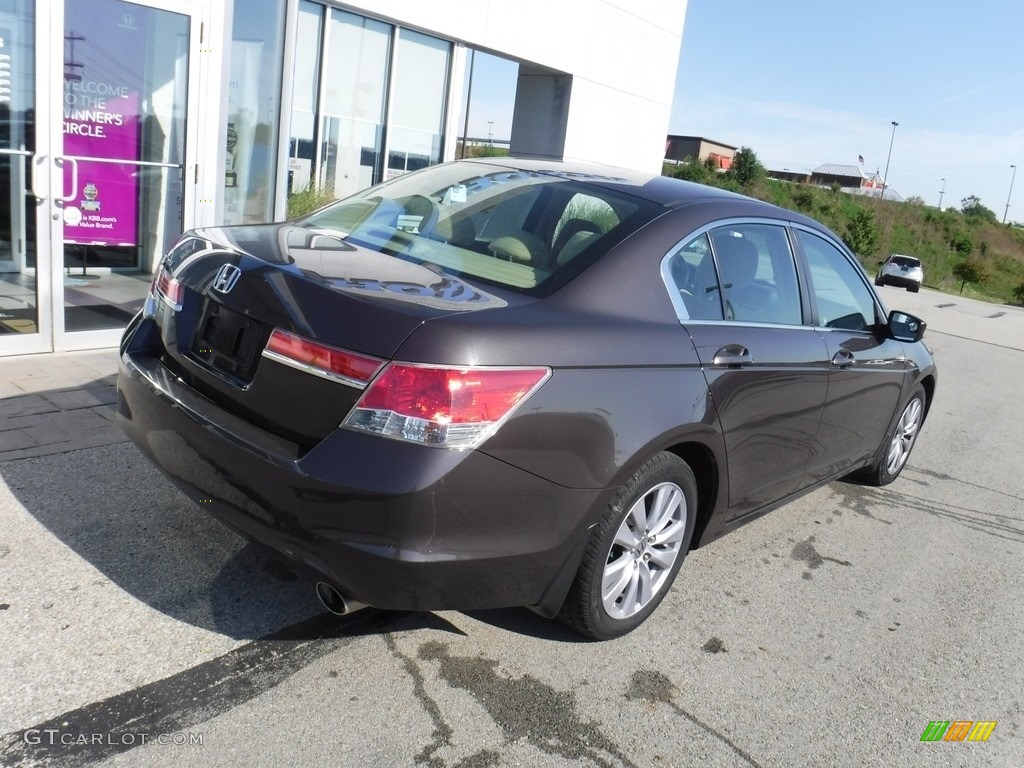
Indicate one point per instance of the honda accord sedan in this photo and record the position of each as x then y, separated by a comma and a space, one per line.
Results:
517, 383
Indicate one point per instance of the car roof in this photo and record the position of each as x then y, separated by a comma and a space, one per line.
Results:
663, 190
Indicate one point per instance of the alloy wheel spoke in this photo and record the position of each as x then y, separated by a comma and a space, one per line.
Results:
629, 592
644, 584
616, 573
626, 537
673, 533
663, 558
638, 514
667, 500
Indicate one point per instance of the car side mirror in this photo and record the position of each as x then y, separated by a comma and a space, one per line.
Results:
905, 327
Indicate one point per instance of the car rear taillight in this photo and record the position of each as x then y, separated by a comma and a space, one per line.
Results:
441, 406
321, 359
168, 289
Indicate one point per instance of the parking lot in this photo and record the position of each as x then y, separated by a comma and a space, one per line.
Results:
137, 631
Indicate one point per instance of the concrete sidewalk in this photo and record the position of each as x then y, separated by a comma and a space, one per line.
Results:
53, 403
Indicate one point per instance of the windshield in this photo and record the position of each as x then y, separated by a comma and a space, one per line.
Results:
525, 230
906, 261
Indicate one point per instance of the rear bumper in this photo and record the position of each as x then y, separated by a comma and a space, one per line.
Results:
391, 524
900, 280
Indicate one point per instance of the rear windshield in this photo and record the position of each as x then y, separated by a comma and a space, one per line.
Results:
906, 261
524, 230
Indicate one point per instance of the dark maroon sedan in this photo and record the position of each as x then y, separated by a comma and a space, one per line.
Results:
507, 383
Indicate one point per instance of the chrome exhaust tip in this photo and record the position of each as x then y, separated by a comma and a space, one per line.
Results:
335, 602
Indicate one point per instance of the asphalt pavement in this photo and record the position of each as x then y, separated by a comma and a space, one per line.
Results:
136, 631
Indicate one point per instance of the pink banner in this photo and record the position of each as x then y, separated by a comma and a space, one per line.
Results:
103, 65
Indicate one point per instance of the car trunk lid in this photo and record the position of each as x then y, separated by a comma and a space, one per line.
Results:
240, 284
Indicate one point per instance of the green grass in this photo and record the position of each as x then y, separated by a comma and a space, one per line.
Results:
307, 200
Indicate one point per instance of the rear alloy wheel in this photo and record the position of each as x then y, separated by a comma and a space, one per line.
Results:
894, 452
635, 551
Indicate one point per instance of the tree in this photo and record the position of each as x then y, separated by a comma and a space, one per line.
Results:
915, 200
862, 233
970, 271
745, 168
972, 207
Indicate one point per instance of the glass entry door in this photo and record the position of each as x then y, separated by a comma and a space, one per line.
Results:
125, 87
95, 166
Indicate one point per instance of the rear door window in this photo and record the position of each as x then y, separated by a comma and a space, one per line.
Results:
741, 272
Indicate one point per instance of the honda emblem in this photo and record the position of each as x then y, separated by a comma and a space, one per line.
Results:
226, 278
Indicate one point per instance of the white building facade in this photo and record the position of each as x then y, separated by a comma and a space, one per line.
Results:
164, 115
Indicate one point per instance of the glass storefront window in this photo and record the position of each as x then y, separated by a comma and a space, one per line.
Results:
253, 106
355, 86
416, 122
19, 305
305, 97
369, 103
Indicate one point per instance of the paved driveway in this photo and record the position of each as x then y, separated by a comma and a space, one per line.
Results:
135, 631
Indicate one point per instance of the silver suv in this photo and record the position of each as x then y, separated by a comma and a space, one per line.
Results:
903, 271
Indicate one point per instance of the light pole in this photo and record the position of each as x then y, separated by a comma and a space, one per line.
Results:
885, 179
941, 193
1012, 177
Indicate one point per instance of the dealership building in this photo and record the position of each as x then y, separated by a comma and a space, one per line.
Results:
163, 115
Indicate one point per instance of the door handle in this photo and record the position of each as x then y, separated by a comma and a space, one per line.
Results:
843, 359
732, 354
74, 180
38, 162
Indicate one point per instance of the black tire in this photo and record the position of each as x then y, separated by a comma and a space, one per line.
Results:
895, 449
661, 494
879, 283
913, 288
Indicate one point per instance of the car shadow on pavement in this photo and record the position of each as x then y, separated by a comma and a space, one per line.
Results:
523, 621
112, 508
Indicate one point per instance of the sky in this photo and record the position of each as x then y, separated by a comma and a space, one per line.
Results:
494, 97
807, 82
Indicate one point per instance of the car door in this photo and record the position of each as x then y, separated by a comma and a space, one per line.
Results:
767, 371
867, 369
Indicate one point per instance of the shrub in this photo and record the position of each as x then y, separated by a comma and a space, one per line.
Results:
307, 200
970, 271
862, 235
961, 243
689, 170
804, 199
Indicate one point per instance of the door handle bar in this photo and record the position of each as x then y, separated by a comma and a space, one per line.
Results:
732, 354
843, 359
74, 179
